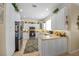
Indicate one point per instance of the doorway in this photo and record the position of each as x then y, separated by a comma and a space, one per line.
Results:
32, 33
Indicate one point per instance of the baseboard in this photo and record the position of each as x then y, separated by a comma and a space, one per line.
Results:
71, 52
63, 54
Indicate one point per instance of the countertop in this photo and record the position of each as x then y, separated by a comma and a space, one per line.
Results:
50, 37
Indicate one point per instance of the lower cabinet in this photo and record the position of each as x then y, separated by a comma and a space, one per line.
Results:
53, 47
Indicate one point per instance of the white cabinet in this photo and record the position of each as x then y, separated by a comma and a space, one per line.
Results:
53, 24
53, 47
59, 20
61, 46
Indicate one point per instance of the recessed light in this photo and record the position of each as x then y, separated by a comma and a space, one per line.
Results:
21, 10
47, 9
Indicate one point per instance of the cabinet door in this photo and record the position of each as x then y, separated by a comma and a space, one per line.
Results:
59, 20
53, 22
48, 48
44, 49
64, 45
53, 47
58, 46
61, 45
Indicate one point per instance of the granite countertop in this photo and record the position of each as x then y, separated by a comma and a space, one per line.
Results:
50, 37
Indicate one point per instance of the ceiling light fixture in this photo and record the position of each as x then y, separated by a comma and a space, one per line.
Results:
34, 5
21, 10
47, 9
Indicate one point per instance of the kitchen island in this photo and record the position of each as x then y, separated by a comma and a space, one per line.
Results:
52, 45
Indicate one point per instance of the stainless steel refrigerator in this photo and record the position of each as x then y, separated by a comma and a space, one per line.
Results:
18, 35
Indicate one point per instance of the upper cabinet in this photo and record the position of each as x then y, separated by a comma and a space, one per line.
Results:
59, 20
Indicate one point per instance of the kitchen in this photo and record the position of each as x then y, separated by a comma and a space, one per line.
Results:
53, 32
46, 29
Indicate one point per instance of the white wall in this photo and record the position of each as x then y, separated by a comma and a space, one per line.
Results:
26, 26
74, 32
2, 34
10, 16
2, 40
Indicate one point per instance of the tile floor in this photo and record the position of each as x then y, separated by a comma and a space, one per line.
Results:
31, 46
36, 53
21, 52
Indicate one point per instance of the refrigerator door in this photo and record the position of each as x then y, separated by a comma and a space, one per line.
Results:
18, 35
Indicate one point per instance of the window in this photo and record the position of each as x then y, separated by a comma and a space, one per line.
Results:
47, 25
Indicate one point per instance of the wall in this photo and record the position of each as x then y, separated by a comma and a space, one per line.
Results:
10, 16
2, 40
74, 32
26, 26
2, 33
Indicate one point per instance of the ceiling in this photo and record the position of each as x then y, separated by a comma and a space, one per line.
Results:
36, 10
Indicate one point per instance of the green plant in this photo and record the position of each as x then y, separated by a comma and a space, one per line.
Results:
15, 7
56, 10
